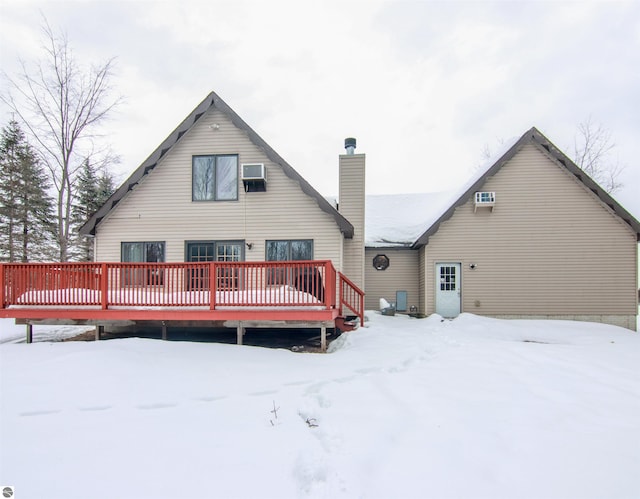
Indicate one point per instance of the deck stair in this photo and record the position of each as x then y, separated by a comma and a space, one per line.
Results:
346, 324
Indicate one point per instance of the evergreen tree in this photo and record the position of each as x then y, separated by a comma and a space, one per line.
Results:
93, 190
36, 213
26, 209
9, 176
106, 188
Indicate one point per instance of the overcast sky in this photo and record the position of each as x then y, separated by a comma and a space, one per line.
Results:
422, 85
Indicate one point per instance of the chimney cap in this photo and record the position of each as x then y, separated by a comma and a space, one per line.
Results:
350, 145
350, 142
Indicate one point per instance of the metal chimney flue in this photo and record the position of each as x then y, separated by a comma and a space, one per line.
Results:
350, 145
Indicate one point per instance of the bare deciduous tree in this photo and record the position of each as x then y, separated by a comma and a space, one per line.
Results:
593, 148
488, 152
593, 153
62, 105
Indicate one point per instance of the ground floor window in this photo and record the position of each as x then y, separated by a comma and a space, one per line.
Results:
213, 251
143, 252
297, 249
210, 251
292, 250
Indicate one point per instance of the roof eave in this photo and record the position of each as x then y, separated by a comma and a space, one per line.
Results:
89, 228
424, 238
588, 182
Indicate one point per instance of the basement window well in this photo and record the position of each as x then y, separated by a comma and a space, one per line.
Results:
381, 262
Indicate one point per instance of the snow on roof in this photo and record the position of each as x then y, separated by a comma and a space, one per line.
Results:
399, 219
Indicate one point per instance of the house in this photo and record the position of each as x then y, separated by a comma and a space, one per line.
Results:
531, 236
258, 245
216, 228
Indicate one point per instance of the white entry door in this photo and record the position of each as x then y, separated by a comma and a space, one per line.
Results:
448, 289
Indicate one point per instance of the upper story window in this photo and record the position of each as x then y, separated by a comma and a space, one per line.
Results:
214, 178
485, 200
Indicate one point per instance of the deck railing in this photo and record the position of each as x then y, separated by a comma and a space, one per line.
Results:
351, 297
216, 285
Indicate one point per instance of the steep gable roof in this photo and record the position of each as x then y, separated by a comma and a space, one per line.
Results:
212, 101
533, 136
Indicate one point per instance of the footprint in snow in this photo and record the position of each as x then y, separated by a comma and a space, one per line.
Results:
39, 413
266, 392
297, 383
210, 399
95, 408
147, 407
367, 370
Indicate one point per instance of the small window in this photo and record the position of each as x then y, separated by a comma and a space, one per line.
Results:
485, 197
485, 200
447, 278
381, 262
214, 178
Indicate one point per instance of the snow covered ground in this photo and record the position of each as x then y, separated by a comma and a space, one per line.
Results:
468, 408
13, 333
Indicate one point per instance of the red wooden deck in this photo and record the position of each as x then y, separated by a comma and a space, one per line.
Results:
306, 291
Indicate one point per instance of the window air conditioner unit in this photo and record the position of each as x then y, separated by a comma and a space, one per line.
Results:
485, 200
254, 177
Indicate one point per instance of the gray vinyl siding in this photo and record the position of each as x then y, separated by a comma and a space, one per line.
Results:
549, 248
160, 208
401, 275
352, 207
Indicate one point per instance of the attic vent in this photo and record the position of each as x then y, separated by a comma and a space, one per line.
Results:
254, 177
485, 200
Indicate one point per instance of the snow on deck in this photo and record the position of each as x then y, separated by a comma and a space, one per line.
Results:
278, 298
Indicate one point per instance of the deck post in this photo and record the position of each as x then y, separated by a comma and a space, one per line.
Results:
104, 287
323, 338
330, 285
29, 333
212, 286
240, 332
165, 332
1, 285
99, 332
